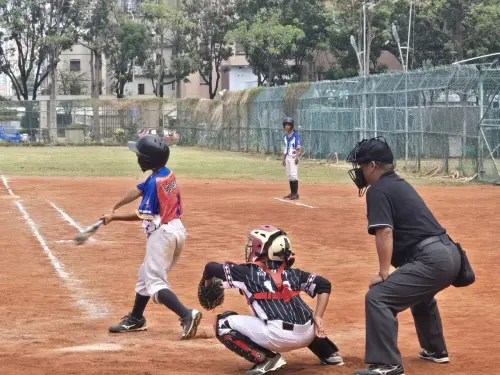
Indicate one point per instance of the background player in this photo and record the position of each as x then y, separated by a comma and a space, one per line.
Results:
291, 155
160, 211
282, 321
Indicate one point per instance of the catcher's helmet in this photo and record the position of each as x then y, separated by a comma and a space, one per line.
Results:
151, 150
288, 120
271, 241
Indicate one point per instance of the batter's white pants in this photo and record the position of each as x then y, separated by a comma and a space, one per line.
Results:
163, 248
271, 336
292, 169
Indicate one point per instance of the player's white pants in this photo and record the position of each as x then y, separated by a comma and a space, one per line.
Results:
163, 248
291, 168
271, 336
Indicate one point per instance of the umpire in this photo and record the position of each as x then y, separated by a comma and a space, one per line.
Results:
409, 237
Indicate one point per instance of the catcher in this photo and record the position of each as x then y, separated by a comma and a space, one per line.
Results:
281, 320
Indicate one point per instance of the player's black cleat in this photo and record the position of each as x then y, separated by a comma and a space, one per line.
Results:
190, 324
434, 357
334, 360
129, 324
287, 196
270, 364
382, 370
294, 197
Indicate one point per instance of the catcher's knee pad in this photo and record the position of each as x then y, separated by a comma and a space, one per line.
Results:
322, 347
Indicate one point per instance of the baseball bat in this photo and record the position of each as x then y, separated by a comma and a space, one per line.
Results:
84, 235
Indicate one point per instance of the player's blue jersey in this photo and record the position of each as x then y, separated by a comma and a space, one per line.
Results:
161, 199
292, 142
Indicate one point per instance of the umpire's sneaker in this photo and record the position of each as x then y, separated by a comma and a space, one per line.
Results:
129, 324
190, 324
382, 370
434, 357
334, 360
271, 364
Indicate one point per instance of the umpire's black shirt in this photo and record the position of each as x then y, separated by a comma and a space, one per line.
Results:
393, 202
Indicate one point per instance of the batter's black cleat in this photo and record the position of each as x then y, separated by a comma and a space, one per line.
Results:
334, 360
382, 370
287, 196
271, 364
190, 324
434, 357
294, 197
129, 324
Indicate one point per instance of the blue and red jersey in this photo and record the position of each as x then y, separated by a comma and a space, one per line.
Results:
160, 197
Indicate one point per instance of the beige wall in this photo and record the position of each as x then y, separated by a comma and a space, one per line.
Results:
81, 53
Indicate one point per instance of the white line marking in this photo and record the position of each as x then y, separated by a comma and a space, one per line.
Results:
92, 347
293, 202
69, 219
94, 310
7, 185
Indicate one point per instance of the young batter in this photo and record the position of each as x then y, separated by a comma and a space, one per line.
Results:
160, 211
281, 320
291, 154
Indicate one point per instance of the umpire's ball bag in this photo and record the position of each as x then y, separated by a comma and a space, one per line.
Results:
466, 275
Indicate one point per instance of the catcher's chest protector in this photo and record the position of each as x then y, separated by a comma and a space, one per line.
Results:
283, 292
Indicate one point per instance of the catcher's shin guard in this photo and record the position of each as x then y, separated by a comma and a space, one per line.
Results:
323, 347
238, 343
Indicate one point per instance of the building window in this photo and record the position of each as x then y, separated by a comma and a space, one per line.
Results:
239, 49
75, 90
173, 86
75, 65
140, 88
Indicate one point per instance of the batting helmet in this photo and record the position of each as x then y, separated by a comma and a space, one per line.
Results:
271, 241
151, 150
288, 120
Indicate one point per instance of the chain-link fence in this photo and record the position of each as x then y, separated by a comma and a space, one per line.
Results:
83, 120
443, 120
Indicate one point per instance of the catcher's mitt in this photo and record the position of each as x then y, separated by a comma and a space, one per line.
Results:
212, 295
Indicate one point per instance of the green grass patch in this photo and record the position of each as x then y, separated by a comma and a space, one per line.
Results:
185, 161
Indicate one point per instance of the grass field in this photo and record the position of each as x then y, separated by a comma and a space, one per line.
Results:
185, 161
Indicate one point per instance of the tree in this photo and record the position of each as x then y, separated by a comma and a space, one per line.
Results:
96, 31
212, 20
128, 47
36, 32
266, 37
170, 27
349, 20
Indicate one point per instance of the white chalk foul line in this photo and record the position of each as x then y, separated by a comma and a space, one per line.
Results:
94, 310
294, 202
7, 185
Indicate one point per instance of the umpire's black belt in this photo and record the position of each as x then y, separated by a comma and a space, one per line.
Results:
444, 238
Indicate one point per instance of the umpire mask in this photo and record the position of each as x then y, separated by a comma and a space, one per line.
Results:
374, 149
359, 180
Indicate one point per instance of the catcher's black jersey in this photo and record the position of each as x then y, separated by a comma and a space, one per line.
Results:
251, 279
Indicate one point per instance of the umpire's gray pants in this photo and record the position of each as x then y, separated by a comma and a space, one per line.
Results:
433, 268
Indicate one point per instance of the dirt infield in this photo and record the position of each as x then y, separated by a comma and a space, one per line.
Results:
59, 299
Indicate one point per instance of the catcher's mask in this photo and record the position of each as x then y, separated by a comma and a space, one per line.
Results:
152, 152
368, 150
271, 241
